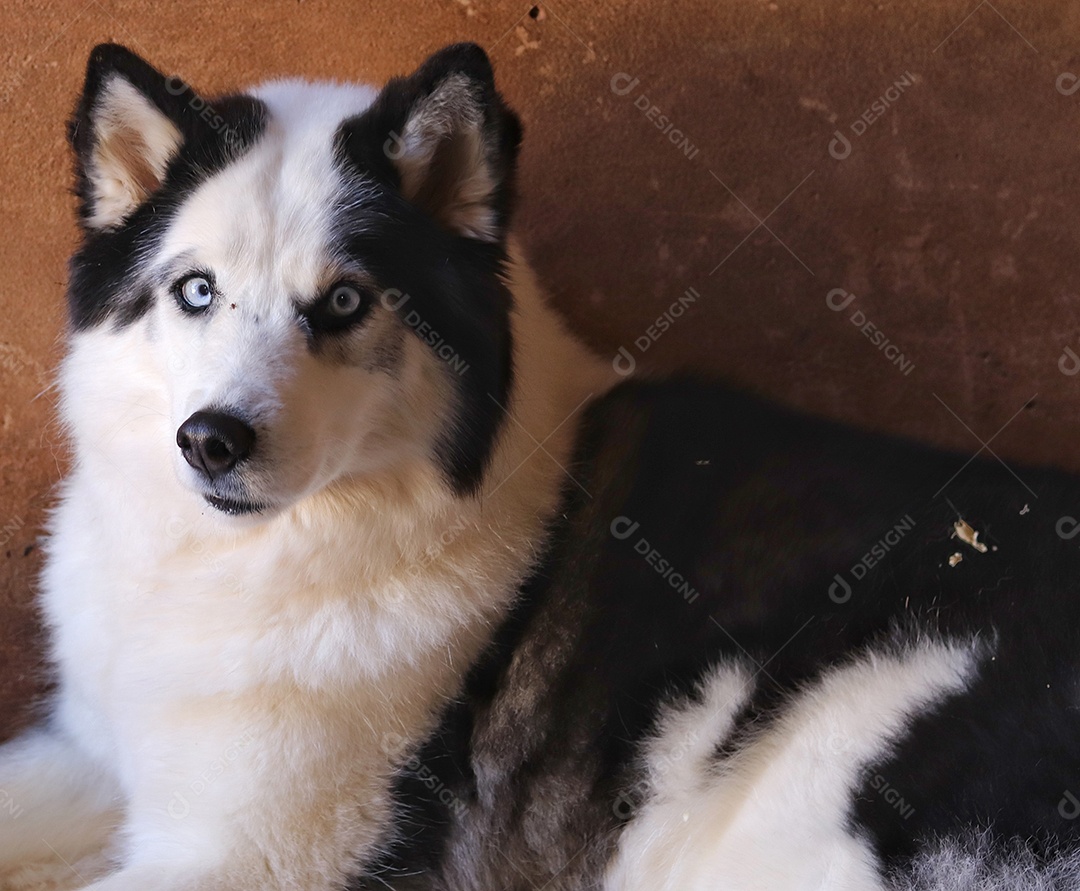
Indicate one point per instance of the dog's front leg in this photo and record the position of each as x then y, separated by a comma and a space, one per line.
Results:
55, 801
268, 792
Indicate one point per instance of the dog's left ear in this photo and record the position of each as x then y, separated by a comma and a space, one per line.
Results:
132, 122
126, 128
446, 139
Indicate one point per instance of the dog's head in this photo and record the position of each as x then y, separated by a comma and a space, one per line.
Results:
305, 281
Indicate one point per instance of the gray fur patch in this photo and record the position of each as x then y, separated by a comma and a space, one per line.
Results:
976, 864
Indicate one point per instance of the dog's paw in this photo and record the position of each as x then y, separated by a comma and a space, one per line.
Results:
55, 875
43, 876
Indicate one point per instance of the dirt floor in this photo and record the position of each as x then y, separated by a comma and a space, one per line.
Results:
863, 209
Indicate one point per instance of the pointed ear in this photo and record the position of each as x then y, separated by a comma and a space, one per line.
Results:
129, 124
445, 138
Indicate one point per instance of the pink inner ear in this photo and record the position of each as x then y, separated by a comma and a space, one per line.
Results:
126, 151
456, 187
133, 143
443, 163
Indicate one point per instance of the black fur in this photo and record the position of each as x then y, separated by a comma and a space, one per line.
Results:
761, 509
454, 284
103, 282
455, 287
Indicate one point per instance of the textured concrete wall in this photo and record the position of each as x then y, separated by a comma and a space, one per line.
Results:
946, 208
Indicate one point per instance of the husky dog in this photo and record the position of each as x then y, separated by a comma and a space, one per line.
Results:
367, 574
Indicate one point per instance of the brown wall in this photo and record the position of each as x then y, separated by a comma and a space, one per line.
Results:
951, 218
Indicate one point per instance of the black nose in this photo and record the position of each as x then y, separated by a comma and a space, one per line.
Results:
214, 443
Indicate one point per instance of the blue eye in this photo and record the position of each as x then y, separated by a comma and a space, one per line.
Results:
344, 300
196, 292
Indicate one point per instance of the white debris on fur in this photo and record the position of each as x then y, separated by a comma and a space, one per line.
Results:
977, 865
968, 536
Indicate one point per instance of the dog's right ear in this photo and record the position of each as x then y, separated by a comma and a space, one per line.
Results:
444, 137
129, 124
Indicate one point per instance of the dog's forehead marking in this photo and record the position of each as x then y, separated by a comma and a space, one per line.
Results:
265, 224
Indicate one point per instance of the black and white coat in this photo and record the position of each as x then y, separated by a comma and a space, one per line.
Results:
367, 574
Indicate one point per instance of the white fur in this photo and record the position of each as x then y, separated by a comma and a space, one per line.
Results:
245, 689
774, 816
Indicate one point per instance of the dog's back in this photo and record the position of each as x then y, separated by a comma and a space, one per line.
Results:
763, 654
